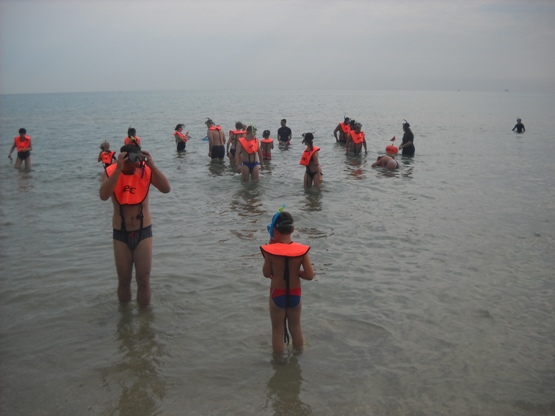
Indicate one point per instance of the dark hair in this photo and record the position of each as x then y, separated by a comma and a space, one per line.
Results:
284, 223
130, 148
308, 138
22, 131
251, 129
239, 125
266, 134
284, 120
208, 121
131, 132
178, 126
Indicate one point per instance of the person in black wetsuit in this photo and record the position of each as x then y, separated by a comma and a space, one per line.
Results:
408, 140
519, 127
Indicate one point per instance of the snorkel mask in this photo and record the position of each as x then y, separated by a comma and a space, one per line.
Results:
270, 227
135, 157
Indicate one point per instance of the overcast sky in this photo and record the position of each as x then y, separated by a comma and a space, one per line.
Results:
127, 45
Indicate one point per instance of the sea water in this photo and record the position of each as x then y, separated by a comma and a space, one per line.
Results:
434, 285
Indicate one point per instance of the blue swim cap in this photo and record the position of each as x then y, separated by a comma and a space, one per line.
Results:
270, 227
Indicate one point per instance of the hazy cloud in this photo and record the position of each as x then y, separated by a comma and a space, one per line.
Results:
59, 46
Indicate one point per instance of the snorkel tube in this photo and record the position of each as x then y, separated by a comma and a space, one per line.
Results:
270, 227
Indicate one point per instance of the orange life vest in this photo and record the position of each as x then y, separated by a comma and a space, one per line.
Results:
215, 128
135, 140
180, 135
357, 137
131, 189
107, 157
286, 250
268, 140
22, 144
238, 132
346, 127
250, 146
307, 155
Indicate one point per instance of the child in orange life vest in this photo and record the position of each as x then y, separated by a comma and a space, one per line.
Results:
357, 137
106, 156
23, 145
132, 137
313, 173
248, 156
267, 145
285, 262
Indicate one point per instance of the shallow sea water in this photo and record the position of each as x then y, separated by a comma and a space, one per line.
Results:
434, 284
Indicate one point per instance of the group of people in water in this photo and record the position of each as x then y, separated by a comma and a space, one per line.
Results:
127, 178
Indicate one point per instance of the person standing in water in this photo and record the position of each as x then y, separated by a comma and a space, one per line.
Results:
358, 139
132, 137
309, 159
106, 156
407, 146
344, 129
285, 263
216, 140
180, 138
267, 145
23, 145
249, 155
234, 135
284, 133
519, 127
127, 183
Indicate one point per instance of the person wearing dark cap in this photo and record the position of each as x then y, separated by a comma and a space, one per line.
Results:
343, 129
408, 140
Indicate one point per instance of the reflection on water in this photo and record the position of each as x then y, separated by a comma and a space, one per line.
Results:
355, 167
313, 200
25, 181
247, 203
217, 167
138, 370
284, 388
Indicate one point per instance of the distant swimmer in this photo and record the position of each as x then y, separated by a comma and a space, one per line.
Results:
249, 155
23, 145
127, 183
285, 263
309, 159
357, 138
106, 156
388, 160
132, 137
343, 128
284, 133
180, 137
234, 135
216, 140
407, 146
519, 127
267, 145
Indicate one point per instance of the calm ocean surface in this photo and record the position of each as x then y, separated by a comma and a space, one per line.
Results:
434, 291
